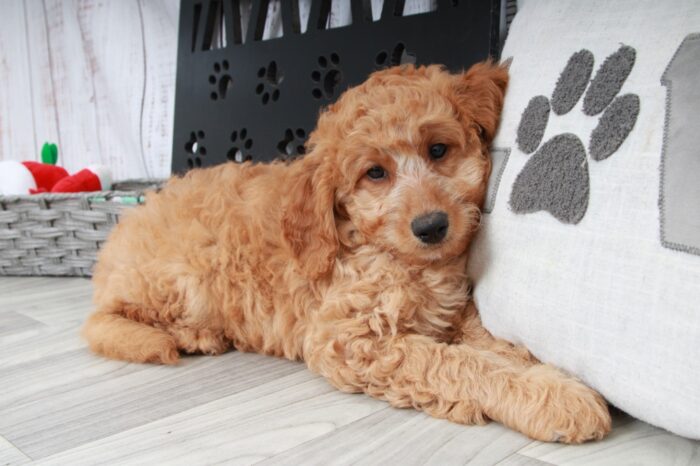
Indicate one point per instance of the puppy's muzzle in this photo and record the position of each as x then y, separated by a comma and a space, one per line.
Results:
430, 228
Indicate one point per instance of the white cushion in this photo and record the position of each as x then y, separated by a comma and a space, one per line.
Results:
603, 295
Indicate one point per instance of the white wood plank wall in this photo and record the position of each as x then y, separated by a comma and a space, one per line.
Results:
98, 78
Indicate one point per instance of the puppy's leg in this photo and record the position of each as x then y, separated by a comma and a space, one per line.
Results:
473, 333
118, 337
459, 382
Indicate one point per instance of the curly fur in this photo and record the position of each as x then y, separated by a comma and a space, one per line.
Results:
314, 260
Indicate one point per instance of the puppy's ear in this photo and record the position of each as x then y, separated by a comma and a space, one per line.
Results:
308, 220
480, 92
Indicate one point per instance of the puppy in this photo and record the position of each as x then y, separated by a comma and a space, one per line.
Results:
352, 259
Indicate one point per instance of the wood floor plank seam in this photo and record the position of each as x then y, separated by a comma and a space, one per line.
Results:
6, 445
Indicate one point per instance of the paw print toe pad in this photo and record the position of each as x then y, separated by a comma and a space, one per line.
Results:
608, 80
614, 126
572, 82
533, 123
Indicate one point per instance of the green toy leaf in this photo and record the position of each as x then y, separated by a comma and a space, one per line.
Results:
49, 153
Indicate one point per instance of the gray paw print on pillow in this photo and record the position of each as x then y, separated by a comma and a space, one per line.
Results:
555, 179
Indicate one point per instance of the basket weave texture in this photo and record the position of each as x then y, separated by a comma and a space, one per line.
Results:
61, 234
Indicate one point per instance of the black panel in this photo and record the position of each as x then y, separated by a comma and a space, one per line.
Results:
253, 99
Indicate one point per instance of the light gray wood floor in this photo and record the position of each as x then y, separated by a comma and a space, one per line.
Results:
62, 405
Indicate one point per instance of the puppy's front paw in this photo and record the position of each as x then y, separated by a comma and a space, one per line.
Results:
562, 409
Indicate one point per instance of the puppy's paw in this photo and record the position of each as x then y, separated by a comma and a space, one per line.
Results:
562, 409
468, 413
462, 412
576, 417
159, 351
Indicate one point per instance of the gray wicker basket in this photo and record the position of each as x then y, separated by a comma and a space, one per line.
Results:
60, 234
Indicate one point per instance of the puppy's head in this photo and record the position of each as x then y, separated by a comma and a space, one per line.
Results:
399, 163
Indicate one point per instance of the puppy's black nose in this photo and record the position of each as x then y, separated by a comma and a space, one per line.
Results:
430, 228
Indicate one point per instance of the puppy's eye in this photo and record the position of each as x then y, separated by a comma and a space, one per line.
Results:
437, 151
376, 172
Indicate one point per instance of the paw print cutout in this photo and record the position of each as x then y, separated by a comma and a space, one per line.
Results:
292, 145
398, 56
270, 79
240, 152
556, 178
195, 149
220, 80
327, 76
